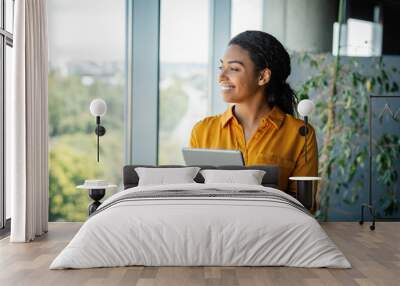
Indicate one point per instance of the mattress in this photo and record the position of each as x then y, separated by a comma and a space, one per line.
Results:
201, 225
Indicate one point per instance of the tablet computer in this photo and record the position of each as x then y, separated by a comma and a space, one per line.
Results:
212, 157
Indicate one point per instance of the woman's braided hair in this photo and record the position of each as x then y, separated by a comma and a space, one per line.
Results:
267, 52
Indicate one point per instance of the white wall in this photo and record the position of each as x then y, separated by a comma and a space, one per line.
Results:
301, 25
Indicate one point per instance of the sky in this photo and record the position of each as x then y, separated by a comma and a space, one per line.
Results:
94, 30
86, 30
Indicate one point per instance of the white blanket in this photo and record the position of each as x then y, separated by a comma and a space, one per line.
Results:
227, 231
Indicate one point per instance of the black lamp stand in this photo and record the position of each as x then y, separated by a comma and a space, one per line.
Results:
96, 195
100, 131
303, 130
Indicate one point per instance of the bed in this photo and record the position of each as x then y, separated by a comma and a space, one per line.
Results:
197, 224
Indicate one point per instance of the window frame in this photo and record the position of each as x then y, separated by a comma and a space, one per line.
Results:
142, 93
142, 88
220, 33
6, 39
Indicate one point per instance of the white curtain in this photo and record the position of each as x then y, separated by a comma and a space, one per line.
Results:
27, 124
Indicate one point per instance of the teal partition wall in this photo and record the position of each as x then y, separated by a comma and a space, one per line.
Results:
220, 20
142, 69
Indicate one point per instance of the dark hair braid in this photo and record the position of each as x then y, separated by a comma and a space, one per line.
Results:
267, 52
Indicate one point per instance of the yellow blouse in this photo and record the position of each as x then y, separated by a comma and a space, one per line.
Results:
277, 141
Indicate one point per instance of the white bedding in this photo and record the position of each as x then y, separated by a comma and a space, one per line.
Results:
200, 231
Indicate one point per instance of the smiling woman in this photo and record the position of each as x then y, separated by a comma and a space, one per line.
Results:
260, 122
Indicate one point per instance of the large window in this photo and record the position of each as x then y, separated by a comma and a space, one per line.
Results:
183, 74
86, 42
6, 43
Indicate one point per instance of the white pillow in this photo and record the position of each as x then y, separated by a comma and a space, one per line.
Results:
249, 177
163, 176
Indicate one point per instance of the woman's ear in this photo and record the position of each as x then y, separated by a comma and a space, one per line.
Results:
265, 76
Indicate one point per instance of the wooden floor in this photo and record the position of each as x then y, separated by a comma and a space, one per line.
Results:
375, 257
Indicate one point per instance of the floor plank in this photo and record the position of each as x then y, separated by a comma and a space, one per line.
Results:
374, 255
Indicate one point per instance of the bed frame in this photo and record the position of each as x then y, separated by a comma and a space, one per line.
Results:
270, 179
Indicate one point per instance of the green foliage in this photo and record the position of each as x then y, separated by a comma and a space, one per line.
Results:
386, 156
173, 105
72, 156
170, 151
347, 147
69, 101
68, 169
73, 142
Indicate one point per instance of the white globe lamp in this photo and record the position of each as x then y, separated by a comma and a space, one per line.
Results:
305, 107
98, 108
